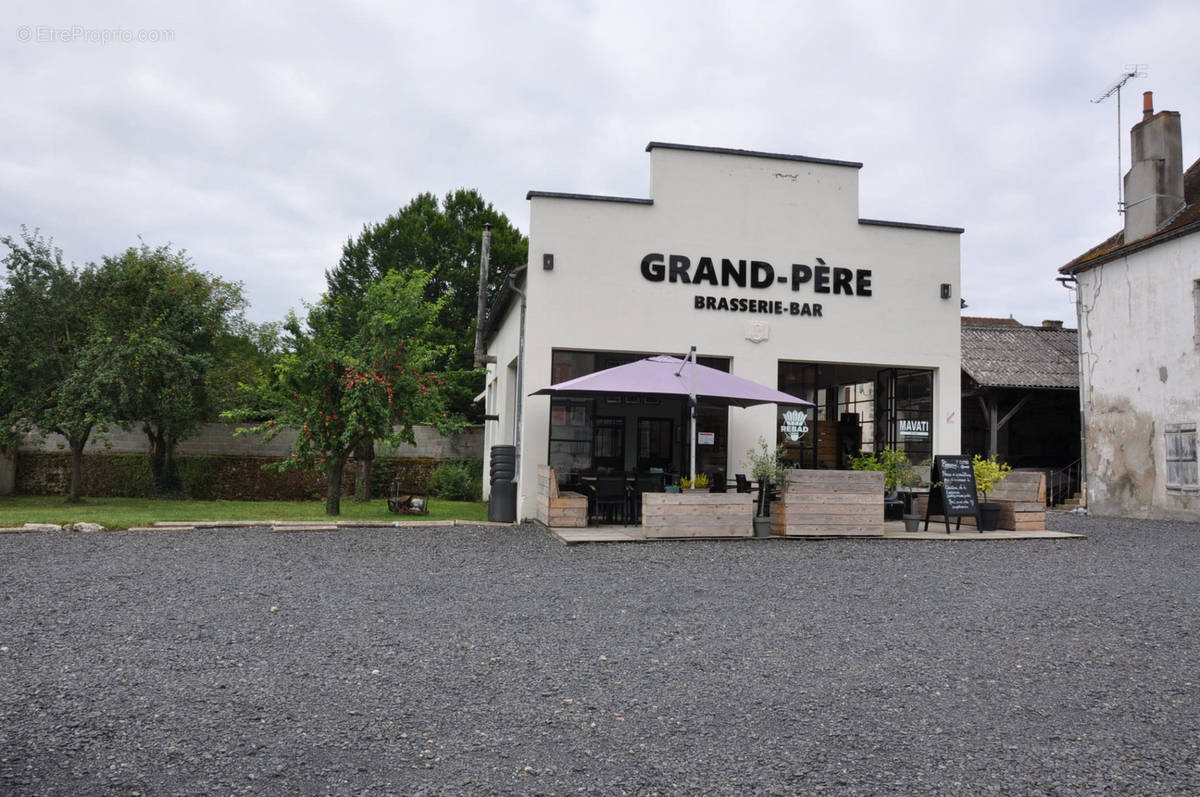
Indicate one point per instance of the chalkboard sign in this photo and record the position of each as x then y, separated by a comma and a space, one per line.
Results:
953, 493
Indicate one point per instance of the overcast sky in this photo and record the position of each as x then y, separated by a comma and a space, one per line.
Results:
260, 136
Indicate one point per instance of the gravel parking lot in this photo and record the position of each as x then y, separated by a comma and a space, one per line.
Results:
498, 661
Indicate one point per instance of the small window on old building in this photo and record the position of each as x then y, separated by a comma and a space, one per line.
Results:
1182, 470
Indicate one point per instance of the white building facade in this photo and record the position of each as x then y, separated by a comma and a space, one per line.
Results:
1138, 297
762, 263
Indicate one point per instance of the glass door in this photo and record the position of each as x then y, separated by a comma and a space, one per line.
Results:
570, 436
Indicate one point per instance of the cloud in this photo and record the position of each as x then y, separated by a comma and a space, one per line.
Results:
261, 137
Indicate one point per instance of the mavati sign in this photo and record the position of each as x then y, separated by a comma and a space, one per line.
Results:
914, 428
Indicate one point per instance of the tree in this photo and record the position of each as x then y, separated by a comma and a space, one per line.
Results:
45, 343
243, 364
338, 393
444, 242
159, 323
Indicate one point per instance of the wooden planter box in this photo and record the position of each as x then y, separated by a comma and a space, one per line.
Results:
559, 510
829, 503
1022, 499
697, 514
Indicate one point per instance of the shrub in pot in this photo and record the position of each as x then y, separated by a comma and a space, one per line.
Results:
766, 467
988, 473
897, 471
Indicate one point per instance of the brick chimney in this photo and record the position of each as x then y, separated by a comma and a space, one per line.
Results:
1052, 325
1154, 183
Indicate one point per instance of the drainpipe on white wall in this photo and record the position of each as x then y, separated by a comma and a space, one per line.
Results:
520, 379
485, 254
1071, 283
692, 412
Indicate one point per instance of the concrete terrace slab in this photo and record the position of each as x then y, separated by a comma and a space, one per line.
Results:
964, 535
891, 531
599, 534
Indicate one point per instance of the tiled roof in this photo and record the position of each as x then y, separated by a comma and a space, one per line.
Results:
1115, 246
981, 321
1003, 355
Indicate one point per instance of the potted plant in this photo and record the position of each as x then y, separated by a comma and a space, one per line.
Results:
911, 479
892, 461
701, 482
897, 473
766, 466
988, 473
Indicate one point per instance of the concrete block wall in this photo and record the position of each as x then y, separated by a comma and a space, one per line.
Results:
217, 439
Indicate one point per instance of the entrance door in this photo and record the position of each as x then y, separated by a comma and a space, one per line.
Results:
608, 444
904, 412
797, 427
655, 443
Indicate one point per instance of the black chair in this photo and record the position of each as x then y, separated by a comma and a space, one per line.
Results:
743, 484
716, 482
612, 500
650, 482
644, 483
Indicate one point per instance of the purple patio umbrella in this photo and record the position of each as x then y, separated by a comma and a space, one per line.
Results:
663, 375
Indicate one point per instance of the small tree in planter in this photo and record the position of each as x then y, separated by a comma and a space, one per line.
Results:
988, 473
766, 466
897, 473
893, 462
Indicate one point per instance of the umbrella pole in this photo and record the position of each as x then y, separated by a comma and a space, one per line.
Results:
692, 410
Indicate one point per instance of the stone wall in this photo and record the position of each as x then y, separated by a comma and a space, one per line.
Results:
218, 439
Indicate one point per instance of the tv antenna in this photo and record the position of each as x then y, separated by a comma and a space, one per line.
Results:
1131, 71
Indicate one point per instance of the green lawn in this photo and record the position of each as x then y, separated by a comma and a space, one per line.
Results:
122, 513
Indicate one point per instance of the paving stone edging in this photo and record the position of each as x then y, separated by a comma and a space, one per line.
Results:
274, 525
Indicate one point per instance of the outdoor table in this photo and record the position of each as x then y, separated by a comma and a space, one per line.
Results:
909, 496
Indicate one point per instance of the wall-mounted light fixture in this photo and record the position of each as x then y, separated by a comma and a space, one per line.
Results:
945, 290
547, 262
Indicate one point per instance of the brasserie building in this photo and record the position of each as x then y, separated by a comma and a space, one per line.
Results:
763, 263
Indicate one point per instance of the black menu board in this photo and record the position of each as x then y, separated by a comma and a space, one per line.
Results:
953, 492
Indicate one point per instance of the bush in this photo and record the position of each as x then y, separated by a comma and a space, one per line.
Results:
988, 473
199, 477
893, 462
134, 477
458, 480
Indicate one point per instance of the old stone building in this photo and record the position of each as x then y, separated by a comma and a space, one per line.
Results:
1138, 296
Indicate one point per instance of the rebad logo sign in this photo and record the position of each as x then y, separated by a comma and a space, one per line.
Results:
795, 424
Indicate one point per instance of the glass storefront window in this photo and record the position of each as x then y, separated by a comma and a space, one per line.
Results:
608, 444
797, 428
912, 414
635, 432
655, 438
859, 408
712, 444
570, 436
566, 365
